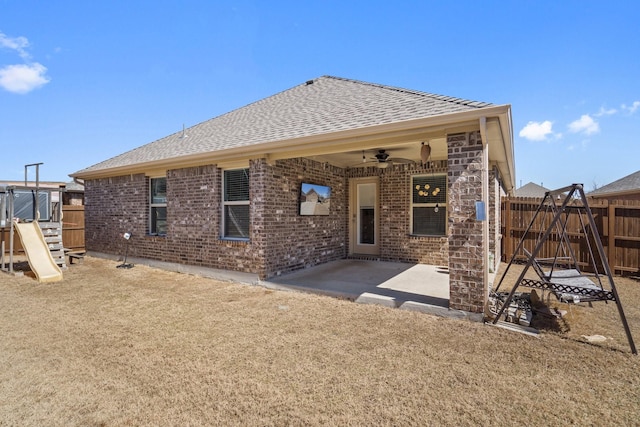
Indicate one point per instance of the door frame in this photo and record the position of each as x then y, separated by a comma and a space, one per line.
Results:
356, 248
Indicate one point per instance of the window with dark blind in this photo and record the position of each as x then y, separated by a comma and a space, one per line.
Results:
235, 215
429, 205
158, 206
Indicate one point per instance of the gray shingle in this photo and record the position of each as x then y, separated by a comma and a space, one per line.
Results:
627, 183
531, 190
328, 104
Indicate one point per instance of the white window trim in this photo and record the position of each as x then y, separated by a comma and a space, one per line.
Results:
412, 205
230, 203
154, 205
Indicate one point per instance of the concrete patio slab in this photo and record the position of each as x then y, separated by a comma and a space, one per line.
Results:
391, 284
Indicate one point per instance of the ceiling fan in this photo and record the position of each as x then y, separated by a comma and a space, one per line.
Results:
383, 159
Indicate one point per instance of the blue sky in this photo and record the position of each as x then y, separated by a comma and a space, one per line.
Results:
81, 82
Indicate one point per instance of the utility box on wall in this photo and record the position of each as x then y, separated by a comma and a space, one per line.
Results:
481, 212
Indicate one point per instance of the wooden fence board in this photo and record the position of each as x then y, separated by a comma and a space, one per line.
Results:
617, 223
72, 230
73, 227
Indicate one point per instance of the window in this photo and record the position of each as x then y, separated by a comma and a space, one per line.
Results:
235, 204
429, 205
158, 205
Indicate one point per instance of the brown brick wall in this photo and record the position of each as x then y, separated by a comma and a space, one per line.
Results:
282, 240
73, 198
293, 241
114, 206
466, 245
117, 205
397, 242
193, 222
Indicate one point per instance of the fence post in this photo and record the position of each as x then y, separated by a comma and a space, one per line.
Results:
611, 251
507, 253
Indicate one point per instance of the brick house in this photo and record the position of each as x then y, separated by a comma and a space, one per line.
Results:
225, 193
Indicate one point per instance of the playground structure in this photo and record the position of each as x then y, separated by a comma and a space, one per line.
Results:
37, 251
562, 274
34, 215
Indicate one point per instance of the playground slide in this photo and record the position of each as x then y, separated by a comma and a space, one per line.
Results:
37, 251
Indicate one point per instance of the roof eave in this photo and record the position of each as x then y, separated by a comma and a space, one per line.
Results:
322, 142
611, 194
497, 132
508, 169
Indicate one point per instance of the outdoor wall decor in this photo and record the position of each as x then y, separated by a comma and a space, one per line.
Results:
314, 199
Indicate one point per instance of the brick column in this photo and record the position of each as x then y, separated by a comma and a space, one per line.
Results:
466, 245
258, 192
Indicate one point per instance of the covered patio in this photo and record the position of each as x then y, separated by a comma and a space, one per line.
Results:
408, 286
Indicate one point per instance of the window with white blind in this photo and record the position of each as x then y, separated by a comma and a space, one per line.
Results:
235, 204
158, 206
429, 205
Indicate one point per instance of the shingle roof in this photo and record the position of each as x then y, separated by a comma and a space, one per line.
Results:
531, 190
320, 106
625, 184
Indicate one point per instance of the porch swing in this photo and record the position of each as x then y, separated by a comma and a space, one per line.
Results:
561, 274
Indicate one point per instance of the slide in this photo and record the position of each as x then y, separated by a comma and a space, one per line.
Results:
37, 251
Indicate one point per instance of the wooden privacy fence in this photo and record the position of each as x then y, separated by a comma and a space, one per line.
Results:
72, 230
617, 221
73, 227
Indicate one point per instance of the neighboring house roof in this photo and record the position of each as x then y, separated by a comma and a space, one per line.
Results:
626, 185
312, 112
41, 184
74, 186
531, 190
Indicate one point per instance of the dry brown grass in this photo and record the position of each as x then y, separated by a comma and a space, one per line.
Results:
143, 346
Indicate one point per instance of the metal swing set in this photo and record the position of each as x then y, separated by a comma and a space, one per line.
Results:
561, 274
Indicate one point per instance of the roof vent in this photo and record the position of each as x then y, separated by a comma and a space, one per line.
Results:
308, 82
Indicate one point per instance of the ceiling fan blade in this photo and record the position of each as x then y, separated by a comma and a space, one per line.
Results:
366, 163
400, 160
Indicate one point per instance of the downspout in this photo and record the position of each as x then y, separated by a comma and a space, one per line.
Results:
485, 199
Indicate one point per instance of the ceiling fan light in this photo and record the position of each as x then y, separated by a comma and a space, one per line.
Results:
383, 165
382, 155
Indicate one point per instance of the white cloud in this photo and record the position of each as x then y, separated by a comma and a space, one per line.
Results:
632, 108
605, 112
19, 44
585, 124
23, 78
537, 131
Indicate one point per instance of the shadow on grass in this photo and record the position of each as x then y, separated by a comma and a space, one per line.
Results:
549, 319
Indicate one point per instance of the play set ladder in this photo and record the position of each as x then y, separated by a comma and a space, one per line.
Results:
52, 232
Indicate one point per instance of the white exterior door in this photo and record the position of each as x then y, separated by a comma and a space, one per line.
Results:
364, 217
